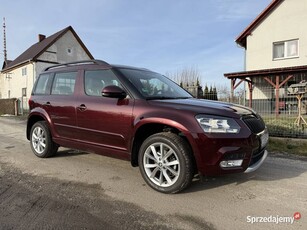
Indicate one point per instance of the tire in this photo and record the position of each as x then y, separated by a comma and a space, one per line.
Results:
41, 140
170, 171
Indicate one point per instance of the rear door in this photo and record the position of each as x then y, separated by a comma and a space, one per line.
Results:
60, 105
104, 122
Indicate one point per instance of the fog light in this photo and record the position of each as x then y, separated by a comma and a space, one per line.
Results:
231, 163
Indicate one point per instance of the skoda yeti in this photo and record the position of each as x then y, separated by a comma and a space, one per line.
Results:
141, 116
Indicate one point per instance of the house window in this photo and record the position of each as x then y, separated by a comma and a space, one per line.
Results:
24, 92
285, 49
24, 71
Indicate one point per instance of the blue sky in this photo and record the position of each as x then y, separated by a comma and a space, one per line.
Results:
164, 36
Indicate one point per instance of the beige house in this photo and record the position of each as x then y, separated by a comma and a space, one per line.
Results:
18, 76
275, 46
280, 38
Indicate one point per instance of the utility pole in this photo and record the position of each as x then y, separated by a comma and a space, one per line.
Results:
4, 42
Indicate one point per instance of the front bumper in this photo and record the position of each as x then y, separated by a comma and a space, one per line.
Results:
255, 166
226, 153
231, 154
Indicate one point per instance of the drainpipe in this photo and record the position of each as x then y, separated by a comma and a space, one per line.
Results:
244, 69
33, 72
244, 85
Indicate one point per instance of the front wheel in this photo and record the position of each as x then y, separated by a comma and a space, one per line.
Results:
41, 141
165, 162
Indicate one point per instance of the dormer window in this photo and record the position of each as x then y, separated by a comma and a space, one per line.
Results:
285, 49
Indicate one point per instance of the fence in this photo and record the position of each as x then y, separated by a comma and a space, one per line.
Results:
288, 120
14, 106
9, 106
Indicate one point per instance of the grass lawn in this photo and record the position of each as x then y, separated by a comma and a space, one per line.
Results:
284, 126
287, 145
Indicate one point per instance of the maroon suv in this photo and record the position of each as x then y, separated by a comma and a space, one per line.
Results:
142, 116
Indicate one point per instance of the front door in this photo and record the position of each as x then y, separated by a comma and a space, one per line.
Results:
104, 122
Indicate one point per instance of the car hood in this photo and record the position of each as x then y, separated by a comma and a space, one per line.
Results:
198, 106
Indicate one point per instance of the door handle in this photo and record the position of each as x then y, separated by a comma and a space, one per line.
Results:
47, 103
82, 107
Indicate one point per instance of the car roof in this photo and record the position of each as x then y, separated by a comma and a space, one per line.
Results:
78, 63
129, 67
93, 62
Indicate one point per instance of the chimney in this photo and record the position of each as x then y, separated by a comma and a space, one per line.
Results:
41, 37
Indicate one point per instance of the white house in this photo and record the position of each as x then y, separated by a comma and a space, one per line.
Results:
18, 76
275, 46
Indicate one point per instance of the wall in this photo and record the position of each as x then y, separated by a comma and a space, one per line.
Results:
1, 85
14, 81
286, 22
59, 51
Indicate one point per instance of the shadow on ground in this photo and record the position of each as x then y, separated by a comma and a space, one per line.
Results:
273, 169
69, 153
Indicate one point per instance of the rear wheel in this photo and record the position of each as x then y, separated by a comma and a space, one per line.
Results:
41, 141
165, 162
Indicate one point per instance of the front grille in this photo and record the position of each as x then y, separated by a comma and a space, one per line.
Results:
255, 124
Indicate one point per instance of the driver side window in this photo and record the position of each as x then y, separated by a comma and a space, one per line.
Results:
154, 87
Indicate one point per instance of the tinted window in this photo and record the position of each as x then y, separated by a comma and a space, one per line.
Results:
153, 85
64, 83
96, 80
42, 84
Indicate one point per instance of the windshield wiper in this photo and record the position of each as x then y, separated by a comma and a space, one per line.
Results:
183, 97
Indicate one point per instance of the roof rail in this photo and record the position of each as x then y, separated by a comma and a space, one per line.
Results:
84, 62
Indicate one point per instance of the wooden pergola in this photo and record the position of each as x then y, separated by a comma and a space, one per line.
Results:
277, 78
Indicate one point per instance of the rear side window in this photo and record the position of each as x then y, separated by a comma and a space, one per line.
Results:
42, 84
64, 83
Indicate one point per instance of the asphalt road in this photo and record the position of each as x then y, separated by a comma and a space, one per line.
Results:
78, 190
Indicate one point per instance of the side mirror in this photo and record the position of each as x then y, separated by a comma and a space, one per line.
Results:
113, 91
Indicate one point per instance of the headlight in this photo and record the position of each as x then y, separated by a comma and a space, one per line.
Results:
217, 124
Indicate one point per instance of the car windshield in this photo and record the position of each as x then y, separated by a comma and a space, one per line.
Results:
153, 85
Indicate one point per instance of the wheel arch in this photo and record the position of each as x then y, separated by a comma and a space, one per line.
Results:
149, 128
33, 118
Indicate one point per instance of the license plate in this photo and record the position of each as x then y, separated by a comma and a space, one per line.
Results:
264, 139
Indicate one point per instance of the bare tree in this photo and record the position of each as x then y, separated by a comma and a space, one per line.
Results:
188, 76
224, 94
239, 96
